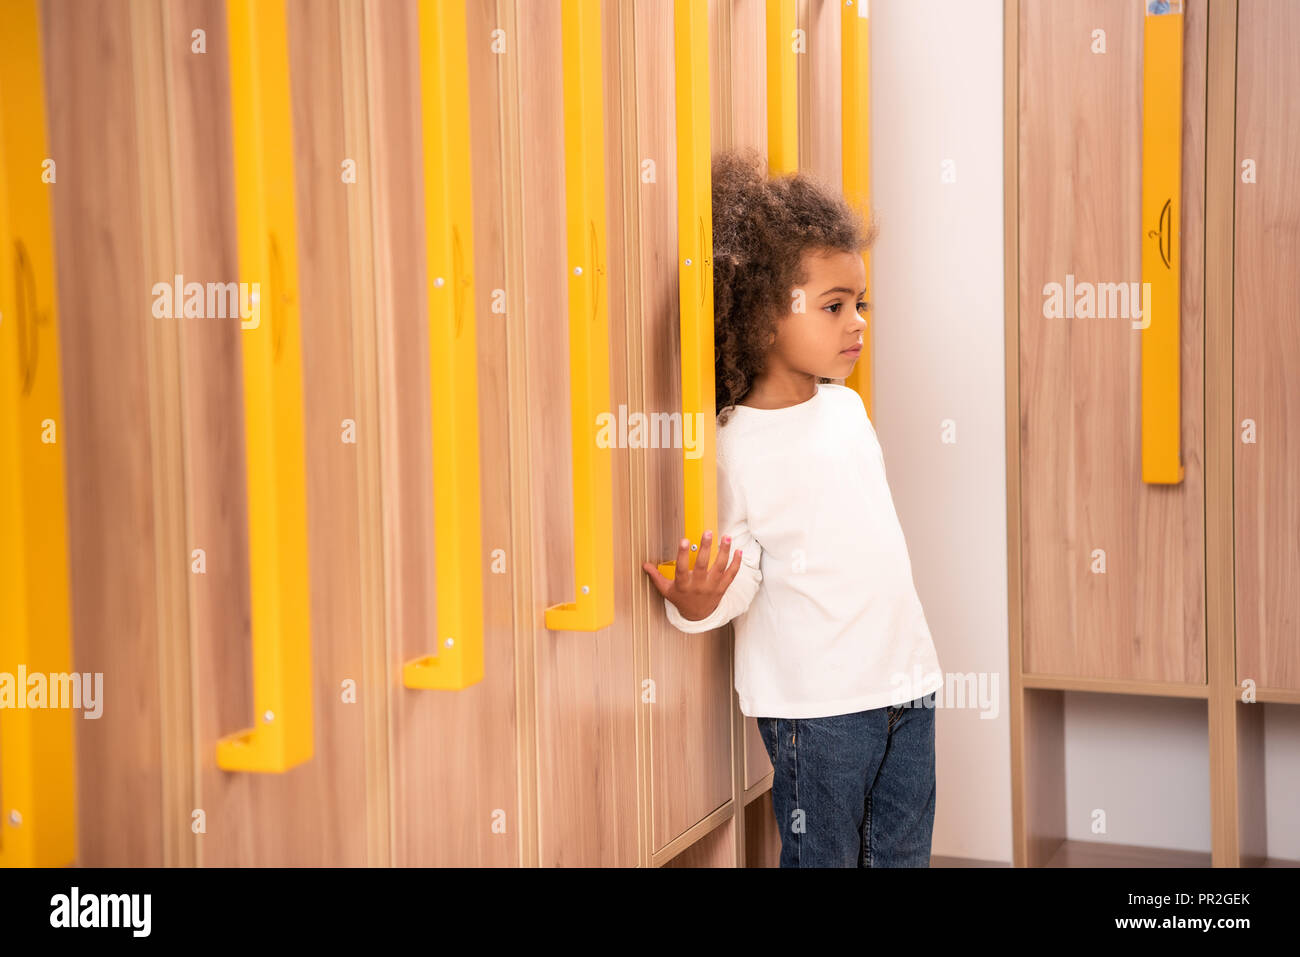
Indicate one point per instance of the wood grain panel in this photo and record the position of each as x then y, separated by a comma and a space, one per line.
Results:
715, 849
740, 74
157, 194
454, 753
402, 334
691, 716
1080, 415
762, 835
587, 690
1040, 777
314, 814
373, 690
821, 92
740, 31
211, 375
1248, 832
1266, 346
105, 315
1234, 737
1095, 854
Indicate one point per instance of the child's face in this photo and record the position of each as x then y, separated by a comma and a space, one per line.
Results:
827, 317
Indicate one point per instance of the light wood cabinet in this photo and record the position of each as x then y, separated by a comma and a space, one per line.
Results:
1120, 587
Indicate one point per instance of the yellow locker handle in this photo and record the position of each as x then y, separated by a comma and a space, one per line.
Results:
855, 153
279, 568
29, 319
706, 258
584, 179
598, 268
593, 533
1162, 153
280, 673
782, 87
276, 297
695, 276
459, 279
453, 355
38, 793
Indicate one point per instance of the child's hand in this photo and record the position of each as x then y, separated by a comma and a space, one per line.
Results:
697, 591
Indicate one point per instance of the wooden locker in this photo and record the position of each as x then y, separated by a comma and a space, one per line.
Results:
314, 812
459, 789
1206, 613
104, 282
585, 681
1266, 348
1083, 500
690, 719
740, 121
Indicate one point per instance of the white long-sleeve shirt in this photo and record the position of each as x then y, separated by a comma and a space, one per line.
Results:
827, 617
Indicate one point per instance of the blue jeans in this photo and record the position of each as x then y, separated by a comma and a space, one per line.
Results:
854, 790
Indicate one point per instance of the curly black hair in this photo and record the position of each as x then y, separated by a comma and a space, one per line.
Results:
762, 225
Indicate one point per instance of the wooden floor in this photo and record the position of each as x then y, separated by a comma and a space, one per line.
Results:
937, 861
1097, 854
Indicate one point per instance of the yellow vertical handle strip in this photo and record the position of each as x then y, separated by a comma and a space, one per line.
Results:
37, 766
262, 119
855, 146
453, 353
1162, 127
695, 273
782, 87
584, 180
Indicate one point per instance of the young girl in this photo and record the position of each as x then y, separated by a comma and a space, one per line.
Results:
833, 653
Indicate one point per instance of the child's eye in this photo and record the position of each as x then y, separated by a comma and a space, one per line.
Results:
834, 307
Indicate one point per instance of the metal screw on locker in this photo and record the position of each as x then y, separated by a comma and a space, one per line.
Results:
268, 716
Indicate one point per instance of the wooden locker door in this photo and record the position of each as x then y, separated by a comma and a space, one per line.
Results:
1083, 497
105, 317
739, 121
690, 716
586, 685
314, 812
1266, 346
457, 798
821, 91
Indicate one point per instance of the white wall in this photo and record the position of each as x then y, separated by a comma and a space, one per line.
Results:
1154, 786
1150, 788
937, 273
1282, 780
